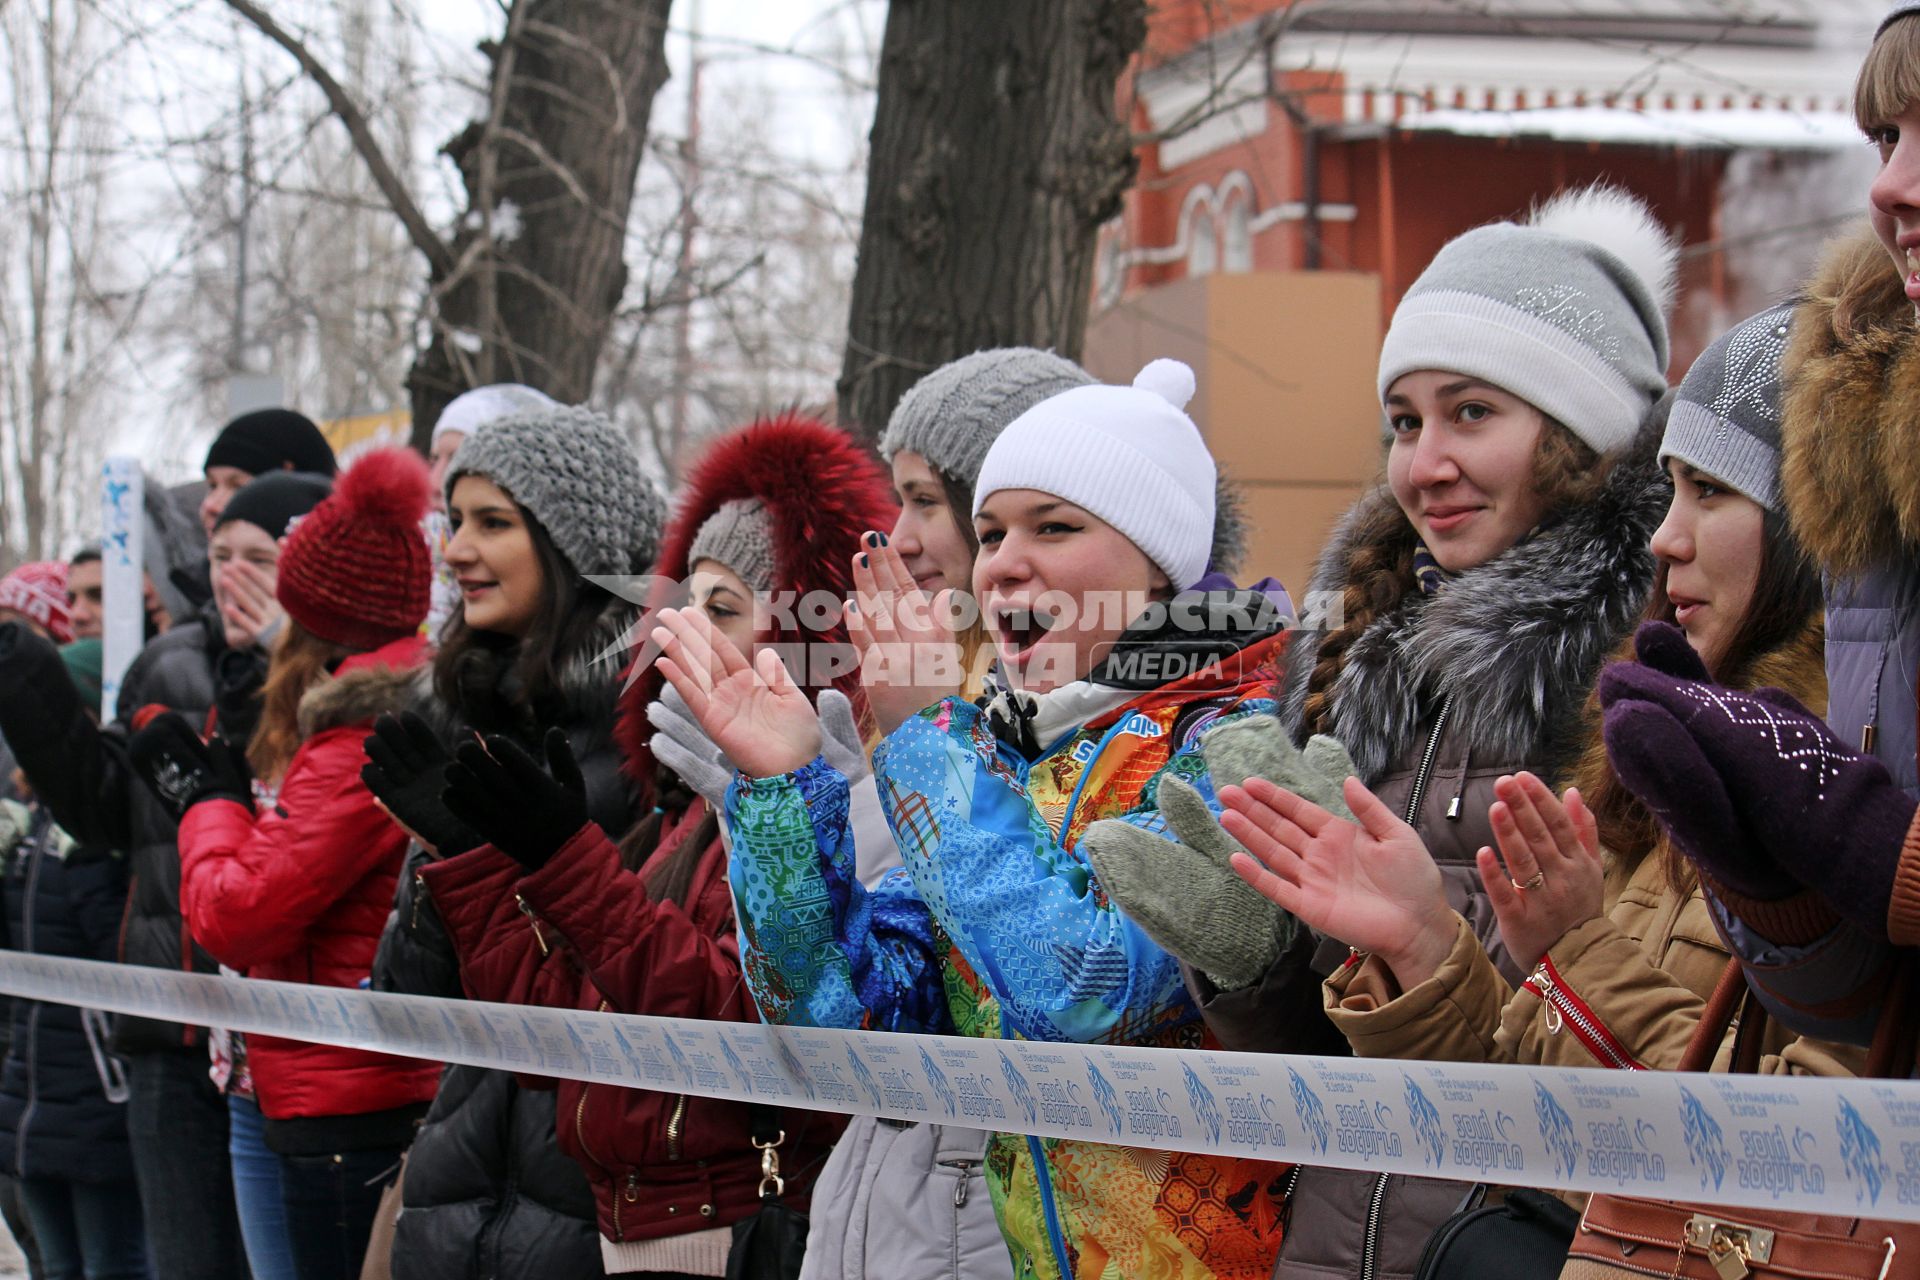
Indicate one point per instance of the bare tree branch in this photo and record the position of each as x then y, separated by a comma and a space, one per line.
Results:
419, 230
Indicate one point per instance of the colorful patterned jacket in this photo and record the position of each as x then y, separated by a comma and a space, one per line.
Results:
996, 915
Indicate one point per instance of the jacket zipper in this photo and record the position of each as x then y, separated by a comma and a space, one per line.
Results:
580, 1136
1566, 1008
1370, 1244
419, 887
674, 1124
965, 1169
534, 921
1425, 773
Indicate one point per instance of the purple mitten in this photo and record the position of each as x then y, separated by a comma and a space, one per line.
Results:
1767, 799
1656, 758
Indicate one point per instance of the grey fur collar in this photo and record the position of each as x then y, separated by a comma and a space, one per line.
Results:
1518, 640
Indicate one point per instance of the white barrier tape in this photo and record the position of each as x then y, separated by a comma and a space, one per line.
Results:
1842, 1146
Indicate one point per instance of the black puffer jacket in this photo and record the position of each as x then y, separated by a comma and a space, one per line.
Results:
62, 1091
488, 1194
81, 774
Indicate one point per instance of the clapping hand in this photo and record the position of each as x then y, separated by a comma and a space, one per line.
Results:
1369, 883
754, 713
1548, 877
909, 658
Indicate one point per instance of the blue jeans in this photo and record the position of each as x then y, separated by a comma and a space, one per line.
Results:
331, 1201
86, 1230
177, 1124
256, 1194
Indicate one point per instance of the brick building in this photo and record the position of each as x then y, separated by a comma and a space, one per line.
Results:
1302, 160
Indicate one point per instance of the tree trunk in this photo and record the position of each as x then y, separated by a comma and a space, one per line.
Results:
997, 152
537, 266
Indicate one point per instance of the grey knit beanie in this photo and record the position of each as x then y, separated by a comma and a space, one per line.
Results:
1726, 417
951, 416
1566, 311
738, 535
578, 475
1900, 9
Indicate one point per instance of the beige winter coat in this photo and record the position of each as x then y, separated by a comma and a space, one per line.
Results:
1625, 989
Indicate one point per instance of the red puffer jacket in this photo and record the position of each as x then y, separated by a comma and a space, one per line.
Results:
584, 933
299, 893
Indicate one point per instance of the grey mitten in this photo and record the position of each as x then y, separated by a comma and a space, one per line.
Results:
1184, 893
684, 747
840, 740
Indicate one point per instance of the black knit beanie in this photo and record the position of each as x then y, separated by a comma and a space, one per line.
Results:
275, 500
271, 440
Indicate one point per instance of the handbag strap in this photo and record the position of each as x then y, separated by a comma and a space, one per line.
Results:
1896, 1035
1722, 1005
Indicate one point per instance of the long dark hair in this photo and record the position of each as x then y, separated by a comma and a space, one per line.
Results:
1786, 601
499, 683
669, 878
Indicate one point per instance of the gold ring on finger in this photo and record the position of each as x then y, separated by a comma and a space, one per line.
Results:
1534, 881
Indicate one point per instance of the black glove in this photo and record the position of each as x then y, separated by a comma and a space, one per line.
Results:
523, 810
182, 771
37, 697
406, 771
11, 634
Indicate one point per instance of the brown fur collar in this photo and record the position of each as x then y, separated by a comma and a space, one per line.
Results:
1850, 413
353, 698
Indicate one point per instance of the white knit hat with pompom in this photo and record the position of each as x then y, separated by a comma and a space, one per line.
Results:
1129, 455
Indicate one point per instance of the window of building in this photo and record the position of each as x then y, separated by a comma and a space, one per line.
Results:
1238, 256
1203, 249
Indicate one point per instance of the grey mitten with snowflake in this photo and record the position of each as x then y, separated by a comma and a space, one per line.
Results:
1184, 892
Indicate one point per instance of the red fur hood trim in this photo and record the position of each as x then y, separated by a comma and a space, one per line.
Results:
822, 491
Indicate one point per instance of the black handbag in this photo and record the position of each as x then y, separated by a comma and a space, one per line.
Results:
770, 1244
1526, 1237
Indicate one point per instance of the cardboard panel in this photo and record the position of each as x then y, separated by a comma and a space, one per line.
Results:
1292, 363
1290, 527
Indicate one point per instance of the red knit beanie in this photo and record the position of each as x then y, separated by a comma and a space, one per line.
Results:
38, 593
356, 570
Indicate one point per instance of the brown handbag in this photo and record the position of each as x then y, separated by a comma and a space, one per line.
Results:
1621, 1236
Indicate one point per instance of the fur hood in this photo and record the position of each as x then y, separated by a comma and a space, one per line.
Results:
364, 687
1518, 639
821, 490
1850, 412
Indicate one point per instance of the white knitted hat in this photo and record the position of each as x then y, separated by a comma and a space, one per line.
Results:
1129, 455
471, 410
